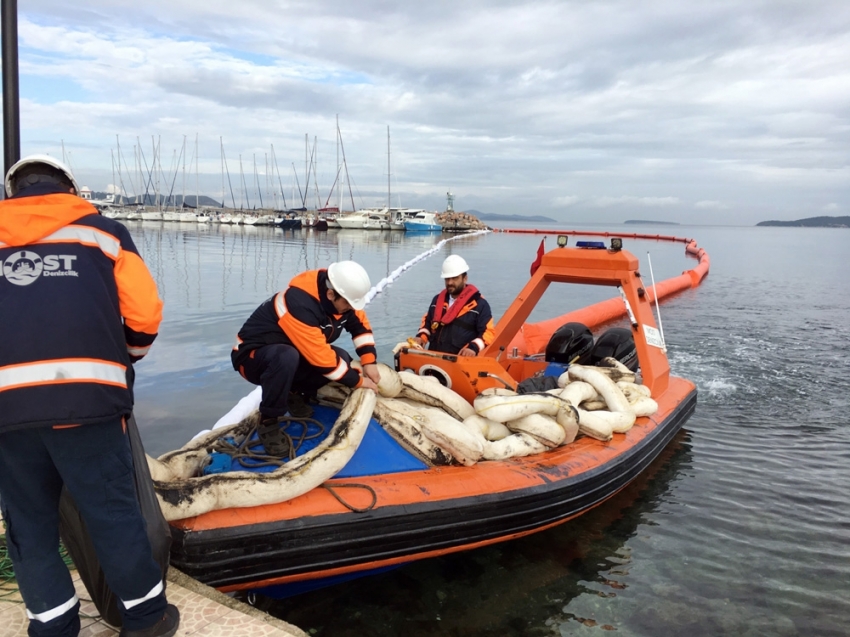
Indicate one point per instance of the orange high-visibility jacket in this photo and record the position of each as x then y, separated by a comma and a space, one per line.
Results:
302, 316
77, 306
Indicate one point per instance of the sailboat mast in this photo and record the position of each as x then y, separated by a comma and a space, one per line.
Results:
197, 169
120, 180
389, 198
221, 141
315, 173
183, 196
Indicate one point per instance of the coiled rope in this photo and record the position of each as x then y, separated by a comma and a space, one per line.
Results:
248, 456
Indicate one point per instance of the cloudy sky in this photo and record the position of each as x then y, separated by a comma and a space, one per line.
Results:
713, 112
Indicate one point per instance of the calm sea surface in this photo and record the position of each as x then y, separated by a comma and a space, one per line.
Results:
742, 527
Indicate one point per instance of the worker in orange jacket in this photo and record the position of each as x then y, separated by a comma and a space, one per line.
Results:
77, 307
286, 344
459, 319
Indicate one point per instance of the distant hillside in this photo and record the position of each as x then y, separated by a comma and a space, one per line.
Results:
647, 222
492, 216
811, 222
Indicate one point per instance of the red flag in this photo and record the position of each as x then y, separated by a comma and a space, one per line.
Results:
539, 258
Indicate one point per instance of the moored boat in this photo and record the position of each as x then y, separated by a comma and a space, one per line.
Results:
423, 222
396, 500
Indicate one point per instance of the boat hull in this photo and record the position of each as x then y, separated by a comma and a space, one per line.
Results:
422, 226
420, 514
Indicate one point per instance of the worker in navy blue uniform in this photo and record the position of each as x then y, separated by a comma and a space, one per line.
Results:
459, 320
286, 344
77, 307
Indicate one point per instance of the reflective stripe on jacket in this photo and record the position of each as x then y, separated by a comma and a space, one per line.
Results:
77, 306
302, 316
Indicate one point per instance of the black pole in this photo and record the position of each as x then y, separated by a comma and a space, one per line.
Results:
11, 93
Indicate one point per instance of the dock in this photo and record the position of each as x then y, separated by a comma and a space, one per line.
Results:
204, 611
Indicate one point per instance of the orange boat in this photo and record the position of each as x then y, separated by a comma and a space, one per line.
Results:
386, 510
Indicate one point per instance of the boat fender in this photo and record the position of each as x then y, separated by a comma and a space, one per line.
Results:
564, 379
514, 446
633, 391
615, 370
333, 394
490, 429
594, 405
189, 461
578, 392
390, 385
614, 374
403, 423
188, 498
644, 406
613, 363
429, 391
503, 405
594, 427
567, 418
450, 435
604, 421
605, 387
540, 427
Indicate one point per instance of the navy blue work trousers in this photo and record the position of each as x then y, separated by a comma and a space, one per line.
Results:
95, 463
279, 369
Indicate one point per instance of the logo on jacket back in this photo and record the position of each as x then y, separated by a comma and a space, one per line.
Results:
22, 268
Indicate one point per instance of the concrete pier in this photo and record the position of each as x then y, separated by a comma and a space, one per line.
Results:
204, 611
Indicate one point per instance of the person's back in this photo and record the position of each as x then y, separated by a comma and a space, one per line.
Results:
77, 307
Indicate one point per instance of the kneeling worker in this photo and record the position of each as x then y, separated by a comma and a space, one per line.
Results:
285, 346
459, 320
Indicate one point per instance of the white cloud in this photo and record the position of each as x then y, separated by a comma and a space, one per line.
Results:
613, 102
647, 202
565, 201
711, 205
832, 207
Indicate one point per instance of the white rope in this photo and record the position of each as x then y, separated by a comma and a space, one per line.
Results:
384, 283
251, 402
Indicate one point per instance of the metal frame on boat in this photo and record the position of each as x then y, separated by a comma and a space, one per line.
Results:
399, 517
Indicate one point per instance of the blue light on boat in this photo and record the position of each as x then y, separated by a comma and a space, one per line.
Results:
595, 245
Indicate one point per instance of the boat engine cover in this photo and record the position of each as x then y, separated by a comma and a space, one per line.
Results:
571, 343
618, 343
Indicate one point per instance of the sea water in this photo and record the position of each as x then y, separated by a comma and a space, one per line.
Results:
741, 527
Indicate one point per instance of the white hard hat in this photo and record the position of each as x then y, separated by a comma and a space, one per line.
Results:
34, 166
350, 281
453, 266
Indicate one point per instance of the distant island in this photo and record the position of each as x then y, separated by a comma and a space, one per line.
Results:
647, 222
492, 216
811, 222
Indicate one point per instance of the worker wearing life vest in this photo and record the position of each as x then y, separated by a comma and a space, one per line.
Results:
285, 346
459, 320
77, 307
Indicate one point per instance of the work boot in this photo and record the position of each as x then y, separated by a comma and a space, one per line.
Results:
274, 441
165, 627
298, 407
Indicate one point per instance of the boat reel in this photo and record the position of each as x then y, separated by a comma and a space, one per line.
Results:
465, 375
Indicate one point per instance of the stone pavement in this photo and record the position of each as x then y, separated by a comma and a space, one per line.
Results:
204, 612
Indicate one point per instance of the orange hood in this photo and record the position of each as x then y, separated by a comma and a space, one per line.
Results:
28, 219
